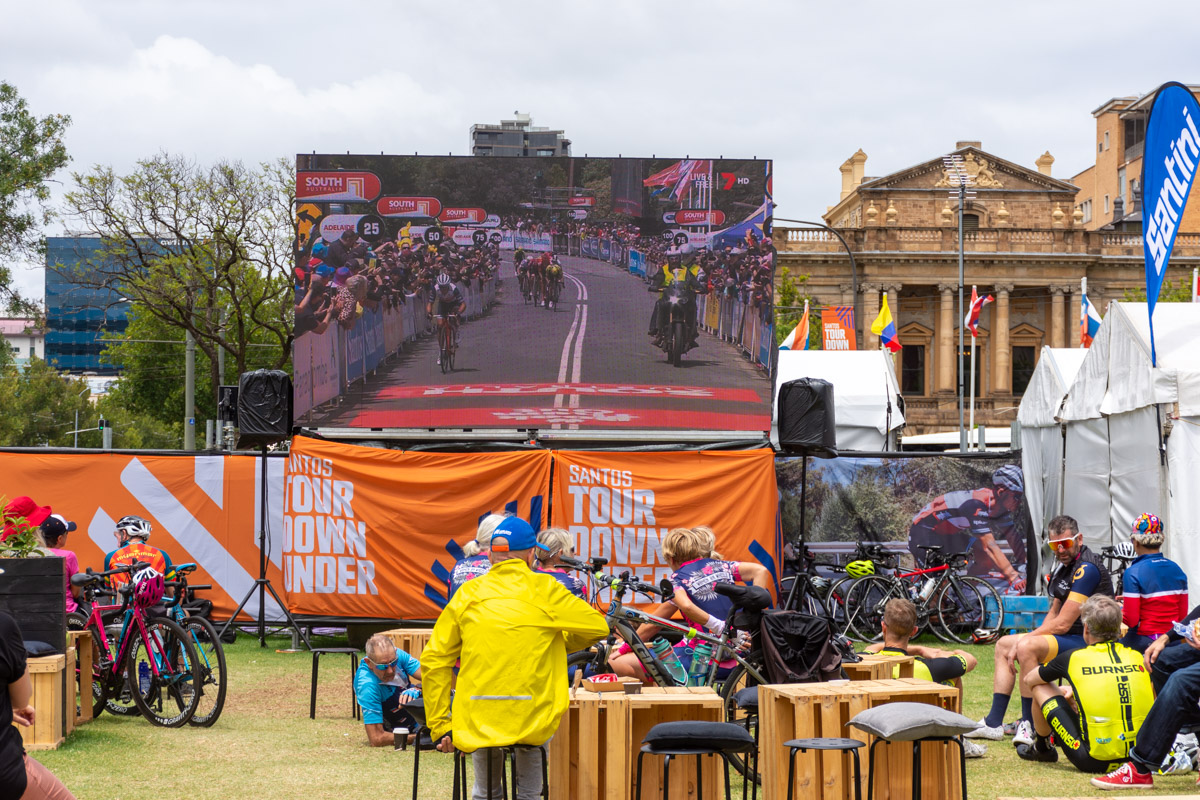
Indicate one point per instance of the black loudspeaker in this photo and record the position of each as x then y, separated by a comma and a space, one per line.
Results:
806, 419
264, 408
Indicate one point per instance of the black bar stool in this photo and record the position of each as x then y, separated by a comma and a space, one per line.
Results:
316, 656
916, 762
747, 702
804, 745
673, 739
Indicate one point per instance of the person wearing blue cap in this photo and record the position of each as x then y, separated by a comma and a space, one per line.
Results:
511, 630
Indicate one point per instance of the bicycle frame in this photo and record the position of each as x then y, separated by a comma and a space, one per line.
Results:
124, 639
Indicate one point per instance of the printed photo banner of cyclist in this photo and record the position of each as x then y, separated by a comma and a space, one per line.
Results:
594, 294
974, 505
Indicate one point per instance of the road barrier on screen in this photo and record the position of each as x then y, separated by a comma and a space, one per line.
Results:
327, 365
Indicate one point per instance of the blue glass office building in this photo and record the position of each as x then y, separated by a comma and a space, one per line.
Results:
78, 317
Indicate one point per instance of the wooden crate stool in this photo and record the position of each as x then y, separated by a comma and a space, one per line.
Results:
46, 674
807, 711
630, 718
410, 640
696, 739
879, 666
577, 753
81, 708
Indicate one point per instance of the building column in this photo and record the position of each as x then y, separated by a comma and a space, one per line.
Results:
1070, 299
870, 310
1001, 354
893, 298
1056, 316
946, 359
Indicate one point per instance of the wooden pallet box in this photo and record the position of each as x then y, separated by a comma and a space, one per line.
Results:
79, 685
46, 675
410, 640
593, 756
823, 710
879, 666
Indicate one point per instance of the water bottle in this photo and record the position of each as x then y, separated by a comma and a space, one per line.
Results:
143, 678
698, 670
914, 593
927, 588
666, 654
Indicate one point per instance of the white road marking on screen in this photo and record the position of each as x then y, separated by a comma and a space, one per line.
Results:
565, 361
578, 363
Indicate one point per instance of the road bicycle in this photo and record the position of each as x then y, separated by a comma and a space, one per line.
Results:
1117, 562
553, 290
210, 665
956, 608
446, 330
882, 562
153, 662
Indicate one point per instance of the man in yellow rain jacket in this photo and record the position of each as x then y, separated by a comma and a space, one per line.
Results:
511, 629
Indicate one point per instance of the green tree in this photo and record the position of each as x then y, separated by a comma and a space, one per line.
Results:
1172, 291
200, 250
789, 305
31, 151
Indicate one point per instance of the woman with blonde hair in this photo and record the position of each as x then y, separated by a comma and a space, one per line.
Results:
475, 554
560, 543
689, 551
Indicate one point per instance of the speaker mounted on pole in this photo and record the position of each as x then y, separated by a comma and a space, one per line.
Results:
807, 424
264, 408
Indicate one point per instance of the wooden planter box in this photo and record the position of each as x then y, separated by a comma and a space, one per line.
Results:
46, 674
878, 667
593, 756
821, 710
32, 590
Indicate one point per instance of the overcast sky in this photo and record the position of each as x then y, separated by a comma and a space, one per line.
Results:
805, 84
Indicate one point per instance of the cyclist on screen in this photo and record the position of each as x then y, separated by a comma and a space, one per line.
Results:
446, 304
971, 520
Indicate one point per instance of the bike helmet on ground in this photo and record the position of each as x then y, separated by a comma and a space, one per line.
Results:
985, 635
148, 587
1009, 477
860, 569
1148, 531
134, 526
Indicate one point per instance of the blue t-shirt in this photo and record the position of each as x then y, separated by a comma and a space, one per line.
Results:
699, 578
574, 585
466, 569
373, 694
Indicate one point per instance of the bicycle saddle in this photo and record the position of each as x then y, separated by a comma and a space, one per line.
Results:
930, 547
746, 598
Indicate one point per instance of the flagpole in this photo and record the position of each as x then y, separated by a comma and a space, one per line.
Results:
1195, 285
971, 427
1083, 315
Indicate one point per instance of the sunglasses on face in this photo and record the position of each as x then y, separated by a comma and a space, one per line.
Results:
388, 665
1061, 545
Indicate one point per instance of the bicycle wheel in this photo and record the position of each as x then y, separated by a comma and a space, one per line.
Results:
169, 698
835, 604
211, 662
965, 605
739, 678
865, 600
100, 696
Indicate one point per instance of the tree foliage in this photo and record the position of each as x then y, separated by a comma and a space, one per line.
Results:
205, 250
31, 151
789, 306
1172, 291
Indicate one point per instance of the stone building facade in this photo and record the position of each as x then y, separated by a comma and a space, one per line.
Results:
1025, 243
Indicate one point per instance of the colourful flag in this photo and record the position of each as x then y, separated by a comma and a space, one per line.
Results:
885, 328
973, 311
798, 338
1089, 321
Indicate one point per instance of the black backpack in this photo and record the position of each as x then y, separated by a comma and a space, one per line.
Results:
799, 648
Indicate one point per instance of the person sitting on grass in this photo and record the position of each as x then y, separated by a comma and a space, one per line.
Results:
383, 686
931, 663
1175, 661
1096, 716
689, 551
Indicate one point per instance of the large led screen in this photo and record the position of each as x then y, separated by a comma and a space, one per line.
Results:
592, 294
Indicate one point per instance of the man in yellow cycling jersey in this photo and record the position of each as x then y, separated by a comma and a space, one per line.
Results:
554, 274
931, 664
1094, 718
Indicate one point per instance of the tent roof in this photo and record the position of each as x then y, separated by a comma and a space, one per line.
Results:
1116, 375
863, 383
1053, 376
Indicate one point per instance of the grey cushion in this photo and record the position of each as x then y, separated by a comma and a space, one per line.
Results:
904, 722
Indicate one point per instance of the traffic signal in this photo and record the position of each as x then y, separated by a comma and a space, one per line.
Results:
101, 425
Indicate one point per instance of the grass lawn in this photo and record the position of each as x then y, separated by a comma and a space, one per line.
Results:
265, 746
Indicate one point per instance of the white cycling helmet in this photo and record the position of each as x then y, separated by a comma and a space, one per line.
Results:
443, 280
134, 526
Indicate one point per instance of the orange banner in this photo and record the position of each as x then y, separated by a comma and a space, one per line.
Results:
837, 328
203, 509
369, 532
619, 506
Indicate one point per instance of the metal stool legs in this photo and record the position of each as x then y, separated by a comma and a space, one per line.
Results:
916, 764
316, 660
666, 783
856, 776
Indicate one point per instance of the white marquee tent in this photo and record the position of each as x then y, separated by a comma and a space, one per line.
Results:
1131, 441
864, 384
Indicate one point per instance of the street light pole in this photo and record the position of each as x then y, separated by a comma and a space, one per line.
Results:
189, 392
849, 252
956, 172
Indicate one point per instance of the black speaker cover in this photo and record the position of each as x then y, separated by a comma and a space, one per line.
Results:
264, 408
806, 420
